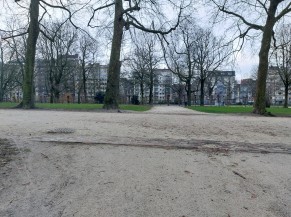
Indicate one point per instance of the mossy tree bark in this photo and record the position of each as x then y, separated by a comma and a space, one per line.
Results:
151, 86
189, 91
112, 89
260, 100
1, 75
286, 96
202, 84
33, 32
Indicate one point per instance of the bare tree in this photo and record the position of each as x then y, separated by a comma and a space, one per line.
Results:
152, 60
256, 15
10, 72
209, 53
57, 59
138, 70
282, 58
87, 48
33, 32
210, 85
144, 62
12, 62
178, 55
126, 15
178, 90
34, 28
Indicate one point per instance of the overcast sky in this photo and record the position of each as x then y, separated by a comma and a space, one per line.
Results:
246, 60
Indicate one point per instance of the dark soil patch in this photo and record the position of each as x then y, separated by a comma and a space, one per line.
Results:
7, 151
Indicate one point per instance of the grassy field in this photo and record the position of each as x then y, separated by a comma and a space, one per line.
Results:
8, 105
81, 107
277, 111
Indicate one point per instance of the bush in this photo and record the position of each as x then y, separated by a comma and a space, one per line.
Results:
268, 104
99, 97
134, 100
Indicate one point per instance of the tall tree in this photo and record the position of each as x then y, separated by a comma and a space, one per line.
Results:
34, 28
12, 57
11, 71
178, 55
144, 62
57, 56
282, 59
87, 48
209, 53
138, 70
126, 15
33, 32
257, 15
152, 60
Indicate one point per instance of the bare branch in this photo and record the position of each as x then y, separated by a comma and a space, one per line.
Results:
263, 5
252, 25
145, 29
63, 8
97, 9
13, 36
285, 11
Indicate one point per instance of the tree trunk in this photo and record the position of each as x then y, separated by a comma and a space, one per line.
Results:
33, 32
79, 96
142, 93
189, 93
260, 100
202, 82
57, 96
286, 96
2, 76
151, 87
84, 79
112, 89
51, 96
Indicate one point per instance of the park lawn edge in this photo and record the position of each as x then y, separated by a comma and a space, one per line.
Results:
77, 107
276, 111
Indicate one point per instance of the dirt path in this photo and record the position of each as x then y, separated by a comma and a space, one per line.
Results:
133, 164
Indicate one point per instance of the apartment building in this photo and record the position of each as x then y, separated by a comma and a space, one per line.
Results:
56, 79
275, 89
224, 88
162, 87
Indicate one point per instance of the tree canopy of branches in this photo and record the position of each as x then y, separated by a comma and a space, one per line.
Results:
256, 15
195, 53
282, 59
11, 68
210, 53
127, 15
143, 62
56, 57
179, 55
88, 50
10, 72
34, 28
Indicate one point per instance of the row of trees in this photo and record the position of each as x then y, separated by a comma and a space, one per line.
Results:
192, 54
281, 58
149, 16
54, 60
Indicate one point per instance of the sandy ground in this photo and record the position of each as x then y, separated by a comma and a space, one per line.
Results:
169, 161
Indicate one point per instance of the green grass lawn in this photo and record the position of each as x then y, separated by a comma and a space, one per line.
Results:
139, 108
8, 104
278, 111
68, 106
74, 106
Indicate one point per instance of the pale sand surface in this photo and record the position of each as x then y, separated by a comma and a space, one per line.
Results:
169, 161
